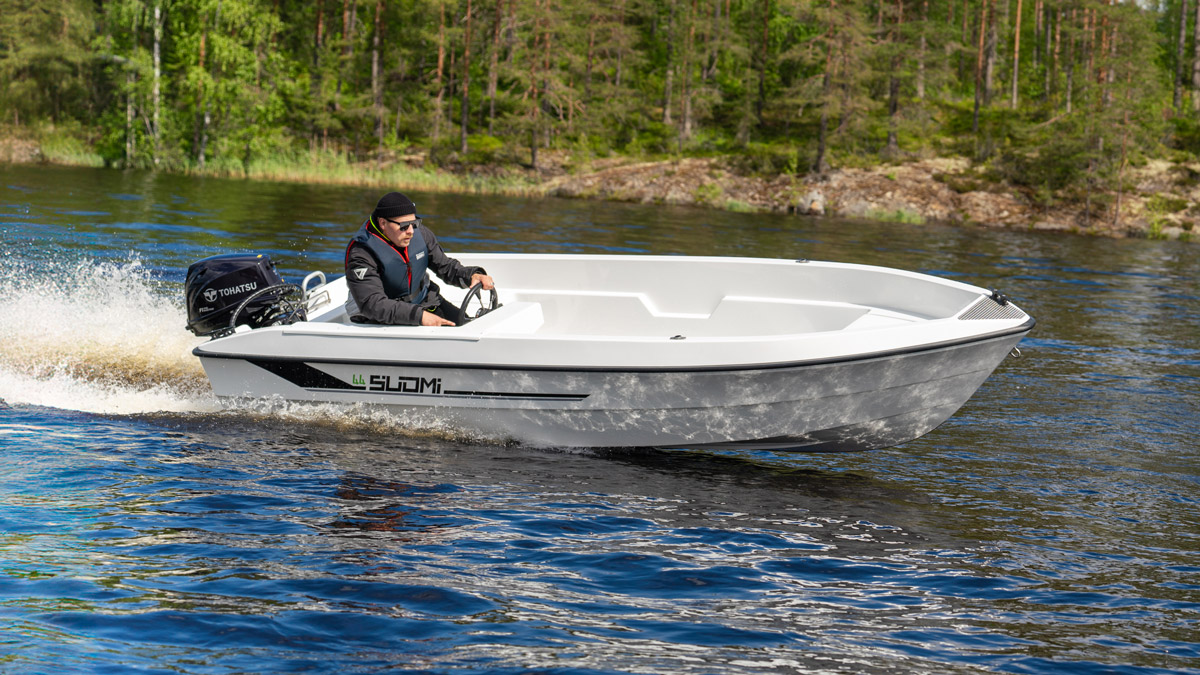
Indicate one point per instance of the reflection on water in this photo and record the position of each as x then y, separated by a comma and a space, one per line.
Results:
1051, 525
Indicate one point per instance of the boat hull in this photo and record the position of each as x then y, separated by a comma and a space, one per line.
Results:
860, 403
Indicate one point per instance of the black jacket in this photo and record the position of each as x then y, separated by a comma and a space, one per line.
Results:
374, 305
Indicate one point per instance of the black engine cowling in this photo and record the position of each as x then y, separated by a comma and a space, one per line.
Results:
216, 287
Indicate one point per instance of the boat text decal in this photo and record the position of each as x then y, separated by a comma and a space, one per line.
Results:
307, 377
407, 385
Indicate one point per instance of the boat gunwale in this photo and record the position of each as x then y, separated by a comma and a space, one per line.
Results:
1020, 330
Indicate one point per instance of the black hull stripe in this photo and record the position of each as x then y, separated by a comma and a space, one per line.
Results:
937, 346
307, 377
498, 395
515, 395
303, 375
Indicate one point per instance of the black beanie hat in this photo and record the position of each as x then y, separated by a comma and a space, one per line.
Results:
392, 206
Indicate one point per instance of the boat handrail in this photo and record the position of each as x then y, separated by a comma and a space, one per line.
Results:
315, 301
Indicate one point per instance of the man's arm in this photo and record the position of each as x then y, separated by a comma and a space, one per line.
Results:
366, 285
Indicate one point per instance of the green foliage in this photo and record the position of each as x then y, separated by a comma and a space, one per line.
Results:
1062, 162
653, 138
247, 85
739, 206
64, 146
709, 194
1186, 133
1161, 203
484, 149
767, 159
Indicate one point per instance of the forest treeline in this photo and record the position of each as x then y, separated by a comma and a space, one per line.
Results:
1051, 94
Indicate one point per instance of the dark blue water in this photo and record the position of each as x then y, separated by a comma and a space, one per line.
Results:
1052, 525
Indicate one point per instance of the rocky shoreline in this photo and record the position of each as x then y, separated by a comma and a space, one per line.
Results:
1163, 201
934, 190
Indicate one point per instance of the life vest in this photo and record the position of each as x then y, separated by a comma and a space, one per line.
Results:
399, 268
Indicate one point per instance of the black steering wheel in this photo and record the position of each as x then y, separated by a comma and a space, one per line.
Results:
476, 292
281, 304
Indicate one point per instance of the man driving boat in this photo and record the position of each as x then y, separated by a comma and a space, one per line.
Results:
387, 269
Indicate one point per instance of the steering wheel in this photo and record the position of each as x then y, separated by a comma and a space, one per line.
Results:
287, 306
476, 292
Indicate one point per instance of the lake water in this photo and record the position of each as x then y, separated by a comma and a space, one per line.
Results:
1052, 525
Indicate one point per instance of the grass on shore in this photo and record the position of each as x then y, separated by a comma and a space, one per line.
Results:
333, 169
66, 149
65, 146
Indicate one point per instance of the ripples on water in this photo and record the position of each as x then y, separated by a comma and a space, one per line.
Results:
1052, 525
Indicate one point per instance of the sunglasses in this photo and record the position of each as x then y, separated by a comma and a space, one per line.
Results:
403, 226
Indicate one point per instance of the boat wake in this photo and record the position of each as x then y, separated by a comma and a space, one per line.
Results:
98, 337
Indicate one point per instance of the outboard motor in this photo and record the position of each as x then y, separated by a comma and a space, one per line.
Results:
238, 288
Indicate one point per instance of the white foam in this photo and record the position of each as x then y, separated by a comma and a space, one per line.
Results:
98, 337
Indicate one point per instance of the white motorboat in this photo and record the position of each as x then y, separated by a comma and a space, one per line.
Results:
639, 351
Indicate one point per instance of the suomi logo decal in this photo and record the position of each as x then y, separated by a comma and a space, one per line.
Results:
306, 376
405, 385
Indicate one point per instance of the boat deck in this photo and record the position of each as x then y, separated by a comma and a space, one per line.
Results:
600, 314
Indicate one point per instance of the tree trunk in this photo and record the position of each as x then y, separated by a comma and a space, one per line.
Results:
1102, 68
686, 72
315, 77
437, 82
1111, 76
921, 49
893, 136
156, 93
130, 80
1179, 55
989, 73
494, 69
535, 101
1037, 33
979, 66
762, 65
466, 82
1051, 65
716, 42
546, 39
966, 40
1016, 54
819, 164
1068, 63
669, 82
376, 85
1196, 63
1089, 32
